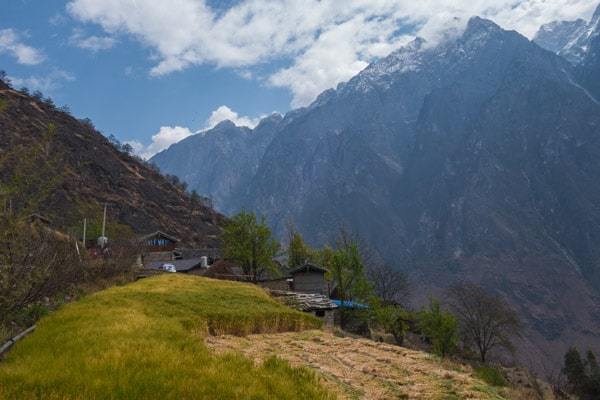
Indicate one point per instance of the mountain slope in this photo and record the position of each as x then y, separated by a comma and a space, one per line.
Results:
92, 172
475, 159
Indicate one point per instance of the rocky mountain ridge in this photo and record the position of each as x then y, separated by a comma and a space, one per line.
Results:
474, 159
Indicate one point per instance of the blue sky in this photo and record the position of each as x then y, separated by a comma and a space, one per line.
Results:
113, 86
153, 72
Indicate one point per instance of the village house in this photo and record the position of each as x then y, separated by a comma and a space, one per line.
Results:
161, 253
196, 266
157, 242
309, 278
226, 270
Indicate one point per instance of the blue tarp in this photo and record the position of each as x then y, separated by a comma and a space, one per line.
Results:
350, 304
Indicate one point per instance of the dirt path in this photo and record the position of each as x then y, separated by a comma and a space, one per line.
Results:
363, 369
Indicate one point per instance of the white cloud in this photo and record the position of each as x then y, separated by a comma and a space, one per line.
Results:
166, 136
323, 41
92, 43
43, 83
10, 42
225, 113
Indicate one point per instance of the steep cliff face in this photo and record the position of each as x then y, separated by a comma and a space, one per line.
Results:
475, 159
92, 172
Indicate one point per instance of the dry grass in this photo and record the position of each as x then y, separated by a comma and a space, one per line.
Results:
144, 341
363, 369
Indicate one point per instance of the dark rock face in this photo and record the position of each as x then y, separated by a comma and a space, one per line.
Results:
94, 173
476, 159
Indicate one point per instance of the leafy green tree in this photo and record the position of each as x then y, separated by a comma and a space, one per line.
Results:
346, 271
298, 251
440, 327
249, 242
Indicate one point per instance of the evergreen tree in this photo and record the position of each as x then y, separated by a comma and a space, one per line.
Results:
574, 370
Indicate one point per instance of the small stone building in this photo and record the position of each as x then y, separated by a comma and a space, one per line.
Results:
316, 304
309, 278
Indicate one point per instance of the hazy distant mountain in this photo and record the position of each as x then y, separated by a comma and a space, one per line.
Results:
475, 159
222, 161
569, 39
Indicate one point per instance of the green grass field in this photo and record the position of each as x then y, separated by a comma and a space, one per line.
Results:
145, 341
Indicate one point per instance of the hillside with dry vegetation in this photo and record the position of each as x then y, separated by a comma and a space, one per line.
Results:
39, 141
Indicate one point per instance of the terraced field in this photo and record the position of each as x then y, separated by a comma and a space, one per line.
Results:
364, 369
145, 340
184, 337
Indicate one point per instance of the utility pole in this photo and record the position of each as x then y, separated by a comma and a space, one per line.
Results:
84, 231
104, 222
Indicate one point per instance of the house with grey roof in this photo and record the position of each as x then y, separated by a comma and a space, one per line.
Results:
309, 278
316, 304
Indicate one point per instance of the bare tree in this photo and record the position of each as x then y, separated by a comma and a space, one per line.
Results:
389, 284
487, 321
35, 262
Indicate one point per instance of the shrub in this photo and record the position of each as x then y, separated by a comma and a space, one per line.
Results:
440, 328
39, 96
393, 319
490, 375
